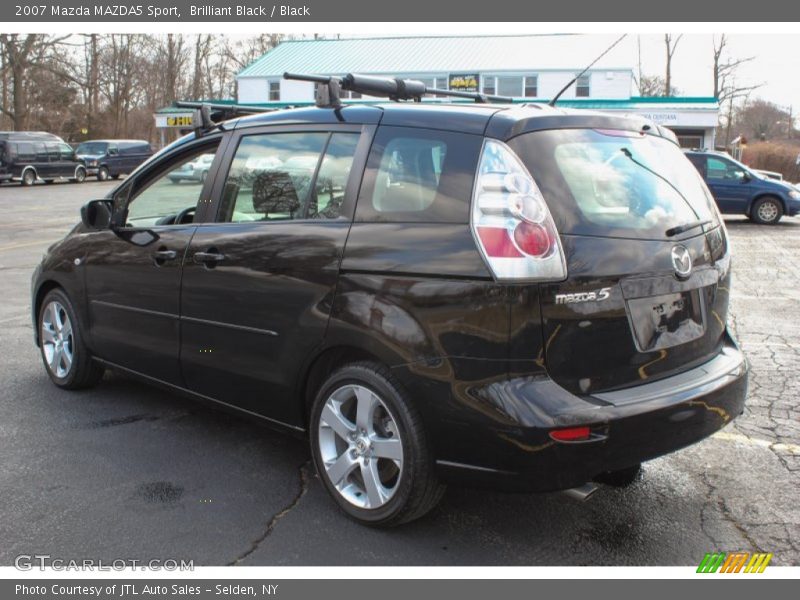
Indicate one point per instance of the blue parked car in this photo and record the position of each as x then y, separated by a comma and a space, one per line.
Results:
740, 190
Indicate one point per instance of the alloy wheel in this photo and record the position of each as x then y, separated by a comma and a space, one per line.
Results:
767, 212
360, 446
58, 342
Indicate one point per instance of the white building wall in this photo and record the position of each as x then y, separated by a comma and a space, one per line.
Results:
603, 85
252, 89
296, 91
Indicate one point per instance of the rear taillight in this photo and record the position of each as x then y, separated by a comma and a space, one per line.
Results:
511, 221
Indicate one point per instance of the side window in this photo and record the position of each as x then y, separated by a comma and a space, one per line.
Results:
67, 153
329, 188
169, 196
53, 151
270, 176
716, 168
26, 152
722, 169
41, 152
113, 150
418, 175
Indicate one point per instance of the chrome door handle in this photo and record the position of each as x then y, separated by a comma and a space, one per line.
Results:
165, 255
207, 257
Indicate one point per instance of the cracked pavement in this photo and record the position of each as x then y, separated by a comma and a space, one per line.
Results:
129, 471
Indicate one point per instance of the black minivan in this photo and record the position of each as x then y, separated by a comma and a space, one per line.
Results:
26, 156
112, 158
522, 297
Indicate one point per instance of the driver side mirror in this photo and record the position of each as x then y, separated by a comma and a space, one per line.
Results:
746, 177
96, 214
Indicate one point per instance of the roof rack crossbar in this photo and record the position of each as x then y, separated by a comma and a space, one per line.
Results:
381, 87
228, 110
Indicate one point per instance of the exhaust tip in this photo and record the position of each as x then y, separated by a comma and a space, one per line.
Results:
582, 492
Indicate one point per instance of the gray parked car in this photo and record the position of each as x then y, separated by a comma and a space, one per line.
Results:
196, 171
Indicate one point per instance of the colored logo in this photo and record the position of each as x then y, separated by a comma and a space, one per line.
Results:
734, 562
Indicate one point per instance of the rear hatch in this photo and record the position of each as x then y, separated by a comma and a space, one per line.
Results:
646, 292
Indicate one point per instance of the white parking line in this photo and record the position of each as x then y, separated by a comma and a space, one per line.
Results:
738, 437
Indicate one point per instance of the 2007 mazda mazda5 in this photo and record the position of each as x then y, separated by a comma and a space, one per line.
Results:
523, 297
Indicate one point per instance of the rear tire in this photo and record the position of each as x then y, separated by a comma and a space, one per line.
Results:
766, 211
28, 177
66, 358
370, 448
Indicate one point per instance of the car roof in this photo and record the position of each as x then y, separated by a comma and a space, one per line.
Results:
29, 135
117, 141
501, 121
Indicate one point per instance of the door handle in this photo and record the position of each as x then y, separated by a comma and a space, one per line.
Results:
165, 254
207, 258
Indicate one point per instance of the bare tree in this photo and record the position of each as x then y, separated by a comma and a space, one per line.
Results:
671, 44
725, 69
109, 85
23, 56
726, 90
203, 47
651, 85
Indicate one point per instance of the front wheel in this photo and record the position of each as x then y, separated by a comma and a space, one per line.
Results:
767, 211
370, 448
80, 175
102, 174
66, 358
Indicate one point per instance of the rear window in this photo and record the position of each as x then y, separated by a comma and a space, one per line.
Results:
419, 175
614, 183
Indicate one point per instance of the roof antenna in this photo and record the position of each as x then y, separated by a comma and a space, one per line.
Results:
591, 64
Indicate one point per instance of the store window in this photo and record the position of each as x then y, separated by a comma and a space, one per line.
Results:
516, 86
437, 82
531, 86
582, 86
274, 91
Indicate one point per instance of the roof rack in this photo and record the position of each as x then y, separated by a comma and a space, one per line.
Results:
203, 122
224, 111
396, 89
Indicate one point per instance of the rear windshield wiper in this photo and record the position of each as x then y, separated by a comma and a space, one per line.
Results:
679, 228
686, 227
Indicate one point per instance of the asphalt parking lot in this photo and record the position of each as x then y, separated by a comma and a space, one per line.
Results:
125, 471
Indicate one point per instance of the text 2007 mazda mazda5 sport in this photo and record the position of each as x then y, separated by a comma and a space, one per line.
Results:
522, 297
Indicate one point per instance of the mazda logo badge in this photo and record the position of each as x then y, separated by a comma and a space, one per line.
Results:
682, 261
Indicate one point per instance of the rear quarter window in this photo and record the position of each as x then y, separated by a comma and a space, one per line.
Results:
418, 175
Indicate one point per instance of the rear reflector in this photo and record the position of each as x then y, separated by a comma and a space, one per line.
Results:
573, 434
511, 221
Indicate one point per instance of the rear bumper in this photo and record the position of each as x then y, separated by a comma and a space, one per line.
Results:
628, 427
